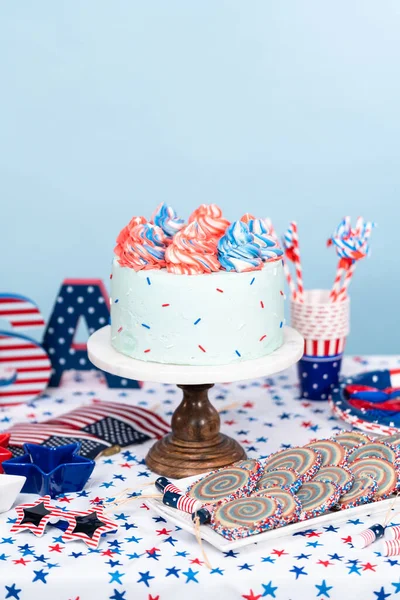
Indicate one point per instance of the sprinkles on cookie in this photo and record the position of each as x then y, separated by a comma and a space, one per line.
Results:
381, 470
342, 476
351, 439
225, 484
283, 478
377, 449
332, 452
305, 461
291, 505
317, 497
246, 516
361, 492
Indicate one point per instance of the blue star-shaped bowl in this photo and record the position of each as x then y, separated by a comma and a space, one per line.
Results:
51, 471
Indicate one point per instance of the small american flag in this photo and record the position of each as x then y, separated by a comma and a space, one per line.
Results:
53, 436
116, 423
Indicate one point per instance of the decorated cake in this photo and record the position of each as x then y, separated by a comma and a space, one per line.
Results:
205, 292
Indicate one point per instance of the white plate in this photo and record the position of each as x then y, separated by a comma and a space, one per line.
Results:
377, 510
103, 356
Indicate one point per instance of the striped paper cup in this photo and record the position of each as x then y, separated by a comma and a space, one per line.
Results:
324, 325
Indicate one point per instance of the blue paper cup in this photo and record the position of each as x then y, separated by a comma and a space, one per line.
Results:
318, 375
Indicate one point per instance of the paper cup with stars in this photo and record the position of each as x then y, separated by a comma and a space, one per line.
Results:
324, 326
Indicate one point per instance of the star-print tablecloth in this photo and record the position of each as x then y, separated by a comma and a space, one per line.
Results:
149, 558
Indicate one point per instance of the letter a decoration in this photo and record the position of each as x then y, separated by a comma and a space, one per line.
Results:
77, 299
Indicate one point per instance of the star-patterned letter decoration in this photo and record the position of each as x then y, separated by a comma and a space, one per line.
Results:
34, 516
88, 526
78, 299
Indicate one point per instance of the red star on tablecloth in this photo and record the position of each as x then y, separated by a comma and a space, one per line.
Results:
325, 563
279, 552
21, 561
347, 540
369, 567
251, 596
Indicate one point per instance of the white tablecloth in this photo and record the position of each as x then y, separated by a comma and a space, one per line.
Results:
149, 558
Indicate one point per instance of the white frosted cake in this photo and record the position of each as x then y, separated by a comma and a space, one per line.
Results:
203, 293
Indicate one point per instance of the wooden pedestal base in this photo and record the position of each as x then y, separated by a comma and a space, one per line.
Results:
195, 444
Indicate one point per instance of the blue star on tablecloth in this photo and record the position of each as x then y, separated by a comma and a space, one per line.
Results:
190, 575
381, 595
269, 589
12, 591
40, 576
323, 589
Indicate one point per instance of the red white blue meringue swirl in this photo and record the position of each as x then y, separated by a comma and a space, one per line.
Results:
165, 217
124, 234
145, 248
210, 219
197, 247
192, 252
237, 250
268, 245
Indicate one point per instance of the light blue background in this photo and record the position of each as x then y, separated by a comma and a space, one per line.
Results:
285, 109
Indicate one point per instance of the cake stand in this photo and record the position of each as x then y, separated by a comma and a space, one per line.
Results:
195, 444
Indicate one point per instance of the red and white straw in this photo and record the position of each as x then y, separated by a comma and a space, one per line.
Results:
346, 282
289, 279
297, 262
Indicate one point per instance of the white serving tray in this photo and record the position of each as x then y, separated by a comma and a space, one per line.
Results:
376, 510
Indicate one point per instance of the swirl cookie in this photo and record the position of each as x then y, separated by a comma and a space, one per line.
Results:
283, 478
362, 492
351, 439
291, 505
342, 476
372, 449
305, 461
317, 497
246, 516
382, 471
332, 453
225, 484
